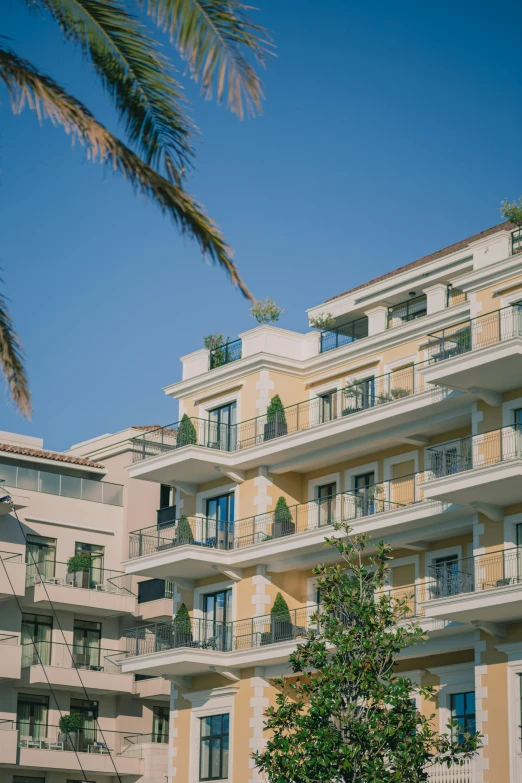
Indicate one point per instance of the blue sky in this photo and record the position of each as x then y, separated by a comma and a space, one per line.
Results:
389, 131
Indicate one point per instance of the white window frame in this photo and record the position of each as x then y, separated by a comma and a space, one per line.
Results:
200, 592
389, 462
226, 489
204, 408
216, 701
513, 651
456, 678
351, 473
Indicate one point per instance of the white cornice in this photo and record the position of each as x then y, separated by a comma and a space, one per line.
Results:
324, 362
489, 275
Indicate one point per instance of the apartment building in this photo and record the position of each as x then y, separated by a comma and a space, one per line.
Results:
65, 604
403, 419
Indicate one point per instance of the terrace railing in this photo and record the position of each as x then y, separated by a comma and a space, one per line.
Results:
357, 396
344, 334
476, 574
17, 477
224, 354
96, 659
297, 519
516, 241
86, 740
223, 637
100, 579
407, 311
474, 451
475, 333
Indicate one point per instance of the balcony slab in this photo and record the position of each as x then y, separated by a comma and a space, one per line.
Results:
8, 746
495, 368
62, 678
157, 689
13, 580
128, 768
99, 603
497, 485
494, 605
11, 662
156, 611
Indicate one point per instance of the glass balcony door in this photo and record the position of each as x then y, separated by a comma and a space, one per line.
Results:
89, 710
221, 429
217, 613
36, 639
96, 554
40, 556
326, 502
220, 520
31, 715
86, 644
364, 494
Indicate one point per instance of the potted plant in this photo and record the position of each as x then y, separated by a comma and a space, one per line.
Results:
399, 393
78, 568
266, 312
186, 432
70, 727
281, 628
182, 628
215, 343
283, 523
184, 532
275, 419
324, 322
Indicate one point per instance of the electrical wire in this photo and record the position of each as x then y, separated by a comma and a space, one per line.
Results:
53, 610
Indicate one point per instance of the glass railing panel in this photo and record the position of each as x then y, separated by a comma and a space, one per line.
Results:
101, 580
16, 477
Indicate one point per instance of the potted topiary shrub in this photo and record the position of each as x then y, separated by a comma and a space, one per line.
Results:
70, 728
280, 621
182, 628
275, 419
184, 531
283, 523
78, 568
186, 432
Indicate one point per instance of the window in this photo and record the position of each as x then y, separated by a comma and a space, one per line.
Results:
328, 406
463, 712
166, 492
89, 710
40, 556
30, 779
37, 632
160, 724
86, 644
220, 518
221, 429
364, 496
517, 415
326, 501
447, 575
359, 396
154, 589
213, 749
31, 715
217, 613
96, 553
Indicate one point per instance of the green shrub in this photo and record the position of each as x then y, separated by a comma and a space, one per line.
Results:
512, 211
282, 513
276, 410
398, 393
266, 312
82, 562
72, 722
280, 610
186, 432
182, 624
324, 322
184, 529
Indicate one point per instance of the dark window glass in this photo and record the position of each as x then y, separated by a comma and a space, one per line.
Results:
463, 712
327, 503
31, 715
165, 492
160, 724
220, 521
214, 747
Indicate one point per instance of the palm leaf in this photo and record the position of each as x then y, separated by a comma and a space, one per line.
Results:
135, 74
215, 38
47, 99
12, 362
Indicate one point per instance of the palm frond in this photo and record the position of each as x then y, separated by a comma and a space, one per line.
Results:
47, 99
12, 362
138, 78
215, 38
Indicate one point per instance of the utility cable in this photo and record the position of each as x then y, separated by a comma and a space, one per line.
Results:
42, 582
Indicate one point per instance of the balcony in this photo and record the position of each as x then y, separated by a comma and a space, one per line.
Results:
516, 241
481, 355
344, 334
479, 470
8, 742
467, 773
16, 477
156, 688
485, 588
98, 750
11, 655
224, 354
99, 672
407, 311
97, 592
12, 575
155, 600
197, 646
195, 546
329, 428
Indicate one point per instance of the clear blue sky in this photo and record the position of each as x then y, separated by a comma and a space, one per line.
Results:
389, 131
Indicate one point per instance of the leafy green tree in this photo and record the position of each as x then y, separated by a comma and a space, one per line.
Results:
266, 312
348, 717
187, 435
323, 322
221, 47
512, 211
184, 530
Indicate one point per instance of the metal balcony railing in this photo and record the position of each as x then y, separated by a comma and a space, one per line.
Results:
95, 659
407, 311
356, 397
296, 519
516, 241
476, 574
99, 741
12, 557
474, 451
343, 334
205, 634
17, 477
476, 333
224, 354
100, 579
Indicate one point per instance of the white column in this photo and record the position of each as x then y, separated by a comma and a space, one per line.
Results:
436, 296
377, 319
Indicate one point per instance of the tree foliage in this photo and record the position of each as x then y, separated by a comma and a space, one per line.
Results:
324, 322
282, 513
187, 435
276, 410
346, 716
512, 211
280, 609
266, 312
184, 530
